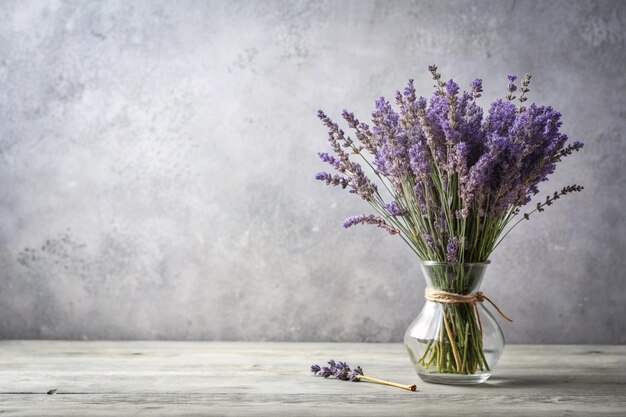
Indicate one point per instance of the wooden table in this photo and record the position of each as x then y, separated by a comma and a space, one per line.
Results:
250, 379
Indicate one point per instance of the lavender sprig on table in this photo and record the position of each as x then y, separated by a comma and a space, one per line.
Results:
342, 371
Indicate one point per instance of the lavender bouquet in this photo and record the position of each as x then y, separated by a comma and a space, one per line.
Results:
451, 182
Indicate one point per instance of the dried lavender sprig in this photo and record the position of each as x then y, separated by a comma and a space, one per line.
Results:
342, 371
332, 179
568, 150
522, 97
395, 210
557, 194
477, 88
540, 206
359, 183
370, 219
363, 132
437, 77
511, 88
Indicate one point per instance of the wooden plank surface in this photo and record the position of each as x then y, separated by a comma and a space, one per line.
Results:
250, 379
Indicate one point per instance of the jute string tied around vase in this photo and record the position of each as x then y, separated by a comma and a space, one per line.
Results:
444, 297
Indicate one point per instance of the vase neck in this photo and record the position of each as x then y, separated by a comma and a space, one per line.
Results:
455, 278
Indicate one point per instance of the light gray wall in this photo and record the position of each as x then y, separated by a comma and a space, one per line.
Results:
157, 161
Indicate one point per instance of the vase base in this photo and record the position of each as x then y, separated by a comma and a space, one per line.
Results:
454, 379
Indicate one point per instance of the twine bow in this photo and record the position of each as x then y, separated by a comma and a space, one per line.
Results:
444, 297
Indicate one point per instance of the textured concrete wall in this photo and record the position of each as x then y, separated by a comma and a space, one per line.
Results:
157, 161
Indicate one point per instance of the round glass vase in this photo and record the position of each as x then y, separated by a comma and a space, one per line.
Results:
454, 343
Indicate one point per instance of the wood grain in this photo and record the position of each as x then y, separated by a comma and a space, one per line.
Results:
253, 379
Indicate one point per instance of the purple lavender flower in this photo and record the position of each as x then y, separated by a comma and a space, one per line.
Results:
342, 370
477, 88
363, 132
501, 117
369, 219
356, 179
452, 88
355, 374
420, 196
440, 224
332, 179
452, 250
394, 209
496, 174
429, 240
511, 88
433, 120
360, 183
458, 160
419, 160
409, 92
339, 370
331, 160
391, 158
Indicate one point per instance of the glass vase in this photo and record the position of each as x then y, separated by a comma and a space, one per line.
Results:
454, 343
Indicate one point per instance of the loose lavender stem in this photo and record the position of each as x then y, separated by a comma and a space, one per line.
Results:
411, 387
342, 371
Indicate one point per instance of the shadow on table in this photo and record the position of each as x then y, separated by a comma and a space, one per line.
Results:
527, 381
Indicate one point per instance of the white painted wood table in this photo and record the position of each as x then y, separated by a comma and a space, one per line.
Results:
251, 379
